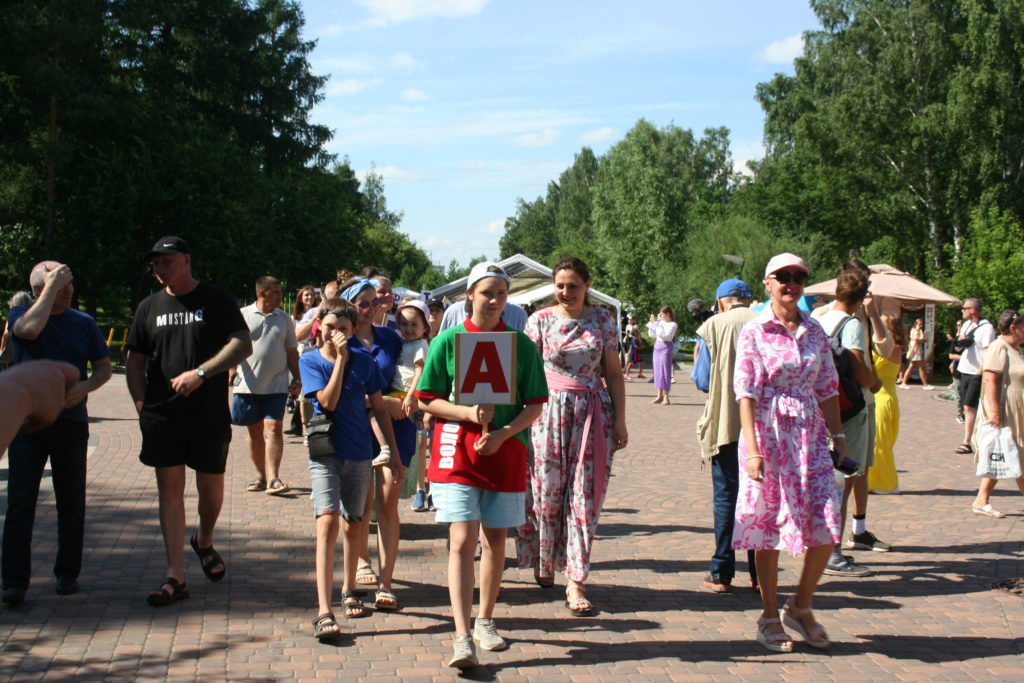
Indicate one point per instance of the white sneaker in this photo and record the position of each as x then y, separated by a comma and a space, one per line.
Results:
463, 653
486, 632
384, 459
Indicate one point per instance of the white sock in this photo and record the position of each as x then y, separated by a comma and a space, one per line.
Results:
860, 525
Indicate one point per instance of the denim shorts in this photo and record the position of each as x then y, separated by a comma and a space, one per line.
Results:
493, 509
340, 486
250, 409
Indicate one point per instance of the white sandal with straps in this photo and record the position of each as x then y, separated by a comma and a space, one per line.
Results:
776, 642
791, 617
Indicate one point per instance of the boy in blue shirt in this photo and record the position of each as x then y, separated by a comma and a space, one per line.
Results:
339, 379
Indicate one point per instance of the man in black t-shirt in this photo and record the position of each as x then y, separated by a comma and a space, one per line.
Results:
183, 340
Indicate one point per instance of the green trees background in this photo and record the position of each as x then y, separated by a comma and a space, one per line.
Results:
124, 120
900, 137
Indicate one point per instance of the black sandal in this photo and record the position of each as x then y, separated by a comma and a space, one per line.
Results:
965, 449
162, 597
322, 624
209, 554
352, 602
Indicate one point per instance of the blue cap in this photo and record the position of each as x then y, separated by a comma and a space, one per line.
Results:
733, 287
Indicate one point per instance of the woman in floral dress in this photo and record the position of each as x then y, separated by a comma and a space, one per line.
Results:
583, 423
787, 388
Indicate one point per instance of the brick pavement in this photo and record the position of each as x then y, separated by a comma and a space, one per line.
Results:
929, 613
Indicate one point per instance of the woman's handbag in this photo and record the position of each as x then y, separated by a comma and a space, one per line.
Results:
320, 436
998, 457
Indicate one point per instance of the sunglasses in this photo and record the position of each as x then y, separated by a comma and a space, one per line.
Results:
784, 277
363, 305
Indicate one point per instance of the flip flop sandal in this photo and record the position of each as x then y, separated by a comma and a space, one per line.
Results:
964, 449
385, 600
162, 597
365, 576
256, 485
351, 602
326, 627
212, 555
987, 510
277, 487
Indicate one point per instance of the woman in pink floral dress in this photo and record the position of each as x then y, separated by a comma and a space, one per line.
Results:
787, 388
583, 423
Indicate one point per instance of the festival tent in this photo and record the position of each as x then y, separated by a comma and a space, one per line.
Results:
530, 284
901, 295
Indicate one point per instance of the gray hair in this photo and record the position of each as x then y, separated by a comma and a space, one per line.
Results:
20, 299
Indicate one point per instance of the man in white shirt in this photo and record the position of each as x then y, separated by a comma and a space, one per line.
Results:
262, 386
975, 336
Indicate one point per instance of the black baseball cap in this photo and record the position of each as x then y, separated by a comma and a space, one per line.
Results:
436, 303
168, 244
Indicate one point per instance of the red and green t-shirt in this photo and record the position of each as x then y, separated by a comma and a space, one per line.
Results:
454, 459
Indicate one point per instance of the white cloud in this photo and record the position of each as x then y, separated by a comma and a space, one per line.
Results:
383, 12
495, 227
597, 135
543, 138
742, 152
405, 62
350, 86
414, 95
782, 51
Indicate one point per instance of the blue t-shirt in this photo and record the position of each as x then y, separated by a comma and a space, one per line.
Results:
353, 439
386, 351
71, 336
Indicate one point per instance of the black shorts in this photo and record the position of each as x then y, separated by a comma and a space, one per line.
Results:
203, 448
970, 386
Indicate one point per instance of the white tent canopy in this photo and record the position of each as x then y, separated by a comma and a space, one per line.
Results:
531, 283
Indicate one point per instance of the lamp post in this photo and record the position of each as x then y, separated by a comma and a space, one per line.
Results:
736, 261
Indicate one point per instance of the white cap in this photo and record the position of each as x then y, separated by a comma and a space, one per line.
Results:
784, 260
419, 306
480, 271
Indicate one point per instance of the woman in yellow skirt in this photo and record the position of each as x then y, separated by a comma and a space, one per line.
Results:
882, 477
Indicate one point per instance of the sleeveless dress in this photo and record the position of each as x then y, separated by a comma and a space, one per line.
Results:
882, 477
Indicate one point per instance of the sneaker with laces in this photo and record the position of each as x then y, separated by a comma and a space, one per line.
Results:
486, 633
843, 567
867, 541
419, 501
463, 653
384, 458
430, 503
960, 418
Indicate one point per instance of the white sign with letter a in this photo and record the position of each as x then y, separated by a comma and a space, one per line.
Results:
485, 364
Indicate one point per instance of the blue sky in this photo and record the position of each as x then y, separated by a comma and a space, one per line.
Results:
465, 105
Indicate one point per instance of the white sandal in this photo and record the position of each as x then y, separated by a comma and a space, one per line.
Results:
776, 642
791, 617
987, 510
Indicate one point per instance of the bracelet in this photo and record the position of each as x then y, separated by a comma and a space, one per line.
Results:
755, 457
838, 435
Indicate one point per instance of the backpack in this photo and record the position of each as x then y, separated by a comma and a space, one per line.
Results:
701, 374
851, 398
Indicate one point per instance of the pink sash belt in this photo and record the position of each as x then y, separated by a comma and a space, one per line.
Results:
594, 422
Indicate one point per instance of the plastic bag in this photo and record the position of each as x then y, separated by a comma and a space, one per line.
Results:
998, 457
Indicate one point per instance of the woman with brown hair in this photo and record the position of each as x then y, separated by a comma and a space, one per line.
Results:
882, 477
663, 328
915, 356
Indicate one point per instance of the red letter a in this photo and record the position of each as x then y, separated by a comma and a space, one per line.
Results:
485, 368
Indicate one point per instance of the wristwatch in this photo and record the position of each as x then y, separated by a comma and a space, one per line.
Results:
201, 373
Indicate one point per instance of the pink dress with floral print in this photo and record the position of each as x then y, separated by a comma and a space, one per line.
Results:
787, 374
561, 513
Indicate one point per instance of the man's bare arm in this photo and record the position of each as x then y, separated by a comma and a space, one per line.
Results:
135, 375
237, 349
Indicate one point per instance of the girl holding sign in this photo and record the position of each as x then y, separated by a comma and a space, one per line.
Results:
583, 423
478, 464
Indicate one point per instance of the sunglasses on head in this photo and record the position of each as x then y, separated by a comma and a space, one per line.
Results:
784, 277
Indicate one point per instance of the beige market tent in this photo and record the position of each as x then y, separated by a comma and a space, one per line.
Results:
900, 295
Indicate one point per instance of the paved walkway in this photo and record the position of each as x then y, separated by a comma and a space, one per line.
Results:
928, 613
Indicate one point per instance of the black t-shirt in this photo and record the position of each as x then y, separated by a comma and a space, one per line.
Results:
179, 333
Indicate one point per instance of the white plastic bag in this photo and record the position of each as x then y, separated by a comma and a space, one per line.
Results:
998, 457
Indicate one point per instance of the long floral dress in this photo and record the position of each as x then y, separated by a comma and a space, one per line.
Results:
787, 374
561, 510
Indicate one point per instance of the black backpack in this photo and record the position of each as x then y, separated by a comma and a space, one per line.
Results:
851, 398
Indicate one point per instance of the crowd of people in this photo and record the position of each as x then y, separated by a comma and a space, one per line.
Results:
799, 424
